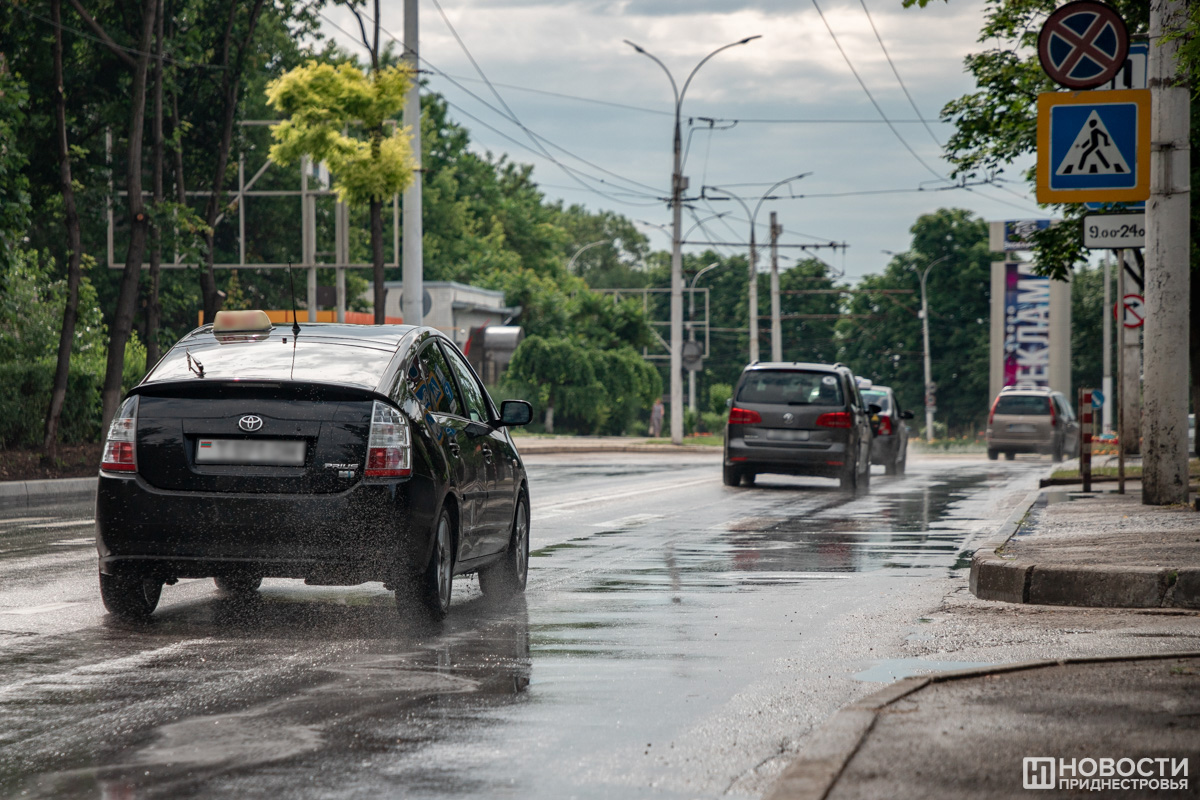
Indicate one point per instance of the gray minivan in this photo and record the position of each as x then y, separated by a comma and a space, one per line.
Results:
798, 418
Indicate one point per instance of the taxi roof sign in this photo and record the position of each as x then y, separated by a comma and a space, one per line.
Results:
1093, 146
253, 321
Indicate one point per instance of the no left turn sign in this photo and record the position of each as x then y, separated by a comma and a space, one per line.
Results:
1135, 311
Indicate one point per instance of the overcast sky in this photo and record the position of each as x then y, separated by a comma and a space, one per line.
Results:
604, 112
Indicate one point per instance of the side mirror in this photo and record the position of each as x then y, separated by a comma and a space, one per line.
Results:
906, 415
515, 413
729, 403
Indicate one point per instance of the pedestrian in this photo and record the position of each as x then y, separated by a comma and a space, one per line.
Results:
656, 418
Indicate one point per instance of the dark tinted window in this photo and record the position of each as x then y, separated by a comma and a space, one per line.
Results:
878, 398
471, 390
1023, 404
791, 387
432, 383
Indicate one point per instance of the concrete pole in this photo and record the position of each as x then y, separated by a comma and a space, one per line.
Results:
342, 248
1165, 463
1106, 384
412, 270
1122, 445
928, 378
1131, 379
776, 328
308, 238
678, 184
753, 293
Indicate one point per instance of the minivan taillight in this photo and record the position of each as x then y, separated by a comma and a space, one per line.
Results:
992, 413
885, 426
1050, 400
120, 446
389, 449
743, 416
835, 419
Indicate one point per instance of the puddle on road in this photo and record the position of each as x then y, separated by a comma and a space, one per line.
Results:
893, 669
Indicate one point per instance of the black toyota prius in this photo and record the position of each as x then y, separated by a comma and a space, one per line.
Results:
334, 453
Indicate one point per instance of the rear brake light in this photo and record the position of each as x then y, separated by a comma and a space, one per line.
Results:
743, 416
120, 446
389, 449
992, 413
1050, 400
835, 419
885, 426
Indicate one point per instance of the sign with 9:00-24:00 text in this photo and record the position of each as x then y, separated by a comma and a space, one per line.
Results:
1114, 231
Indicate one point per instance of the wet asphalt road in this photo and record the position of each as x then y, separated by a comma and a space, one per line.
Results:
678, 639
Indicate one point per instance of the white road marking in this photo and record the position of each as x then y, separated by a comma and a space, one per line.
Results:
22, 520
40, 609
74, 523
554, 509
627, 522
74, 542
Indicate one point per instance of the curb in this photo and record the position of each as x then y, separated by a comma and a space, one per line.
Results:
30, 493
1008, 580
813, 775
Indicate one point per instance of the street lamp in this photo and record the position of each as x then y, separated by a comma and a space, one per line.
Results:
587, 246
678, 184
692, 330
925, 334
753, 288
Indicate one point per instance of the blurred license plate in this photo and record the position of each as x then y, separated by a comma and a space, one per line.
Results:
787, 436
1020, 428
268, 452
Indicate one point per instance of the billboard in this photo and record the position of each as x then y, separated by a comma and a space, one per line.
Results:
1026, 359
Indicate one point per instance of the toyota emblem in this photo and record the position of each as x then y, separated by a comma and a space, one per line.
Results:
250, 423
789, 418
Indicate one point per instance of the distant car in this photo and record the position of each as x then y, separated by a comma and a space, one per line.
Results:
334, 453
889, 446
1031, 420
798, 419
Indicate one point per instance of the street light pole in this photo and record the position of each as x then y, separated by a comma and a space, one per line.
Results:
678, 184
925, 335
752, 289
692, 330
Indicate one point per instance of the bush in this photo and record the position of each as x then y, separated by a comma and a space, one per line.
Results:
714, 423
25, 398
718, 397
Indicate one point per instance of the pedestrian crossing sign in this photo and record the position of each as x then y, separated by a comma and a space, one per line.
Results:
1093, 146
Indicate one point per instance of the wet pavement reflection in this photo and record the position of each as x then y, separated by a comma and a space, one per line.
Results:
627, 670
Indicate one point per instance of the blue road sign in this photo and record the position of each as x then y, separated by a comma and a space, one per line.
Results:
1093, 146
1097, 398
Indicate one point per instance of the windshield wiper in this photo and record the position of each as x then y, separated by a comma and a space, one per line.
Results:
194, 365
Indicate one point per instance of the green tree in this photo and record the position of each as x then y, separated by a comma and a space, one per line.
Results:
886, 344
321, 102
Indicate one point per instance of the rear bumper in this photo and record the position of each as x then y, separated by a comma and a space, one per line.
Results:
1020, 446
369, 532
826, 459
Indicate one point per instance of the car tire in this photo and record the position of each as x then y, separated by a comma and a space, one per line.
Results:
893, 466
509, 576
902, 462
437, 582
848, 479
731, 475
993, 454
1056, 454
1009, 455
130, 598
239, 585
864, 481
749, 478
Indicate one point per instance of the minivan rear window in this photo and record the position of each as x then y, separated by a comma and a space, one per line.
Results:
791, 387
878, 398
1030, 405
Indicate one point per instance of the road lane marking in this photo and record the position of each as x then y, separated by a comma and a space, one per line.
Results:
74, 523
41, 609
74, 542
556, 508
23, 520
628, 522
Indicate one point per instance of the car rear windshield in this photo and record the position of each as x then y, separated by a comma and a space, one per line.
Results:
791, 387
1029, 405
311, 359
878, 398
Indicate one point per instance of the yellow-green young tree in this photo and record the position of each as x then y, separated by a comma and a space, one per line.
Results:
323, 104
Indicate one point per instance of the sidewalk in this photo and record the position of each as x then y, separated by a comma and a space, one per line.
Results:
968, 733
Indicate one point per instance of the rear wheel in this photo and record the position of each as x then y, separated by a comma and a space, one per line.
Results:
238, 584
902, 462
749, 478
993, 454
1009, 455
1056, 454
438, 580
848, 479
864, 481
130, 598
731, 475
509, 575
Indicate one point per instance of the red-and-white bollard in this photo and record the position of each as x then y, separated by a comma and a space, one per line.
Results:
1086, 428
